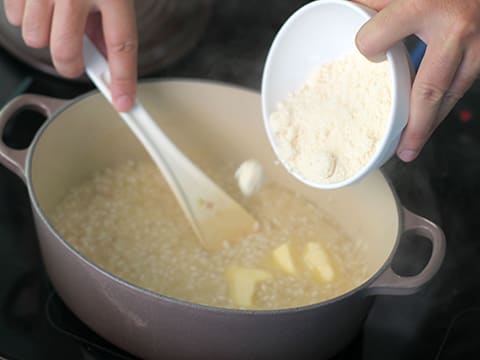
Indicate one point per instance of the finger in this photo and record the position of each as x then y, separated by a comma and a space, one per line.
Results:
466, 75
121, 41
391, 25
68, 26
373, 4
435, 76
94, 31
14, 11
37, 18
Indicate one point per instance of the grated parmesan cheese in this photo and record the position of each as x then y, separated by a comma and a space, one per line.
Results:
331, 127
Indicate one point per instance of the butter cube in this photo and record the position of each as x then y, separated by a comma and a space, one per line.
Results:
283, 257
242, 283
318, 261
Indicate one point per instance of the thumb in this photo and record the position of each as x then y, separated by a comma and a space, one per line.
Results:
390, 25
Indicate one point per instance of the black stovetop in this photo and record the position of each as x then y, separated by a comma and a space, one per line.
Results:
440, 322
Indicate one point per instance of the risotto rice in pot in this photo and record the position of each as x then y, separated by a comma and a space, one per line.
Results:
126, 220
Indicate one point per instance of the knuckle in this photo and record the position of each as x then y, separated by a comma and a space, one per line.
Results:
464, 18
451, 97
429, 92
123, 46
465, 28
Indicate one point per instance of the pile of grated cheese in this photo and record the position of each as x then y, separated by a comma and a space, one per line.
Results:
330, 128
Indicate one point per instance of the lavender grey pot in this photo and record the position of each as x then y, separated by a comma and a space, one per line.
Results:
204, 119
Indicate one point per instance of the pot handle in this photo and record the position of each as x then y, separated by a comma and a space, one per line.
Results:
390, 283
15, 159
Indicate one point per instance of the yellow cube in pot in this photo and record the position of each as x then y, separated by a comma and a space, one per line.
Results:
318, 261
242, 283
283, 257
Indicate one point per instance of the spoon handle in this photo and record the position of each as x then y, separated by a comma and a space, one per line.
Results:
214, 216
162, 150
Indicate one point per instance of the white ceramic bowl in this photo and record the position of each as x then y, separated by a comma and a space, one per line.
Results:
320, 32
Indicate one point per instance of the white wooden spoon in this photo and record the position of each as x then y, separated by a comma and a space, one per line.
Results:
215, 217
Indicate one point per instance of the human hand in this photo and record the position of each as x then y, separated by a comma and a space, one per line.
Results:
451, 30
60, 24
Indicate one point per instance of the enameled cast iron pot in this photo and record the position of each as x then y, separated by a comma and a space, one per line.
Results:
222, 122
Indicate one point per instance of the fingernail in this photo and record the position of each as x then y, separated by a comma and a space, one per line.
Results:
123, 102
407, 155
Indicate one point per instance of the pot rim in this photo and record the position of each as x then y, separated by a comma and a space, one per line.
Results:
179, 302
